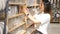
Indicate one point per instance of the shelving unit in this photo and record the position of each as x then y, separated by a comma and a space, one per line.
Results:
17, 21
55, 11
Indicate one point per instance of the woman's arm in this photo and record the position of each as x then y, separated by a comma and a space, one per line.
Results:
30, 16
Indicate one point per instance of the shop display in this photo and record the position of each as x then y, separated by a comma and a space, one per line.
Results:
13, 10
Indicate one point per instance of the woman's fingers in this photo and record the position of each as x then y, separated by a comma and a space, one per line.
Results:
26, 11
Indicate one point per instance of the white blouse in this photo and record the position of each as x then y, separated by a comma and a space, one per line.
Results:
45, 20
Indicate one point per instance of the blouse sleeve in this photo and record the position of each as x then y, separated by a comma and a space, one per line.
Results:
43, 19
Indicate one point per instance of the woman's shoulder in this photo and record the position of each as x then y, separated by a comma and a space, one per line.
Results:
42, 15
46, 15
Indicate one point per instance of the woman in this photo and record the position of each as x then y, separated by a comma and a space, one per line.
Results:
43, 18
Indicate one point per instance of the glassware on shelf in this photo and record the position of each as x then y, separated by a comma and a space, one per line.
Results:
13, 10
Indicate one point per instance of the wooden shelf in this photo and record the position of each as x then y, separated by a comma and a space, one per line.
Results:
16, 26
30, 30
15, 16
16, 3
21, 32
33, 5
28, 25
33, 30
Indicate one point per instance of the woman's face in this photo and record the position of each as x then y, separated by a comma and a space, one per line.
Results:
41, 7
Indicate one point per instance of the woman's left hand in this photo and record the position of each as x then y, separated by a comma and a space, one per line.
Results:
25, 10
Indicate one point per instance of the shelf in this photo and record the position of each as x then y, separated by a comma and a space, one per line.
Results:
18, 32
33, 30
33, 5
30, 30
16, 26
16, 3
15, 16
28, 25
21, 32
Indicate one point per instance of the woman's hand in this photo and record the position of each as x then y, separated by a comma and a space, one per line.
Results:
25, 10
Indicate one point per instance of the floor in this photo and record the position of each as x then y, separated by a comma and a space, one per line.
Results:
54, 29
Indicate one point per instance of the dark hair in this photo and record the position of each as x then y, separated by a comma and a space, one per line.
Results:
47, 6
45, 1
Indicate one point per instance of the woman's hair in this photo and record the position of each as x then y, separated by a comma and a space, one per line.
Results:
47, 6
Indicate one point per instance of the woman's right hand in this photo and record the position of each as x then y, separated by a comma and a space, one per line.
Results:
25, 10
